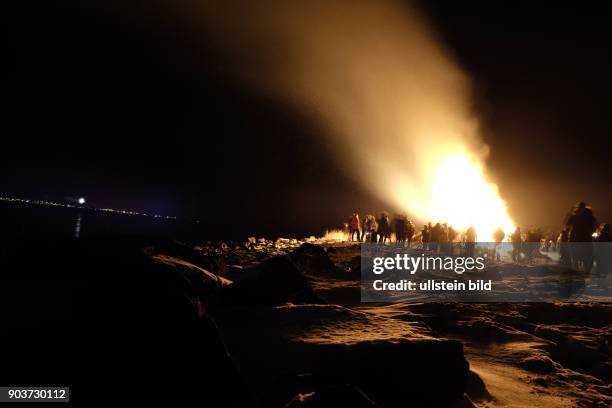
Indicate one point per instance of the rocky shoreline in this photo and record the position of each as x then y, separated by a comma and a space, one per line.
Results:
560, 350
280, 324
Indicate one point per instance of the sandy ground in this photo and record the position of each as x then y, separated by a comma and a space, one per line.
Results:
521, 355
509, 386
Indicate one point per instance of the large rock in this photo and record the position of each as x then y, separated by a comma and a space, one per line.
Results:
121, 317
392, 361
274, 282
203, 282
194, 255
312, 259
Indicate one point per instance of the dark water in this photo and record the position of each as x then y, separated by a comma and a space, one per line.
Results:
19, 219
26, 220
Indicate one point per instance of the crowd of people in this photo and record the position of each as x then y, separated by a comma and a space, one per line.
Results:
381, 229
574, 243
372, 229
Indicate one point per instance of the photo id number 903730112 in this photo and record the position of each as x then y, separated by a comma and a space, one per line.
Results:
34, 394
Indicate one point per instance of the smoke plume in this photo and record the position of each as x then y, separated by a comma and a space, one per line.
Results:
376, 74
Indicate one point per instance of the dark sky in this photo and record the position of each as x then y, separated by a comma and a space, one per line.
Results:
130, 111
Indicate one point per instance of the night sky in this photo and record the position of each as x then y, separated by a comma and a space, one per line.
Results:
126, 108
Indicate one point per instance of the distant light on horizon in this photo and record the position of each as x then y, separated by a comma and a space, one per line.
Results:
82, 201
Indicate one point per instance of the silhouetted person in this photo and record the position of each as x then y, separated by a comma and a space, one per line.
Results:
533, 242
425, 236
354, 227
409, 232
436, 236
407, 226
564, 250
374, 230
448, 246
368, 228
399, 228
470, 241
384, 228
517, 244
452, 236
498, 236
583, 224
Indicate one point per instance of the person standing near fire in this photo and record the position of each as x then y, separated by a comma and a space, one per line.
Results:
582, 224
354, 226
409, 232
498, 236
426, 236
384, 228
470, 241
368, 229
517, 244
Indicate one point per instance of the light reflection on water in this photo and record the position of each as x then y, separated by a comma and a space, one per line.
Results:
27, 220
77, 226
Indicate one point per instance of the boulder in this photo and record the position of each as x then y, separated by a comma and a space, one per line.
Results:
392, 361
476, 388
234, 272
122, 316
204, 283
312, 259
198, 255
274, 282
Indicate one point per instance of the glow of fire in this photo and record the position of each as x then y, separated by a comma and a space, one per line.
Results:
462, 196
395, 106
449, 185
336, 235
